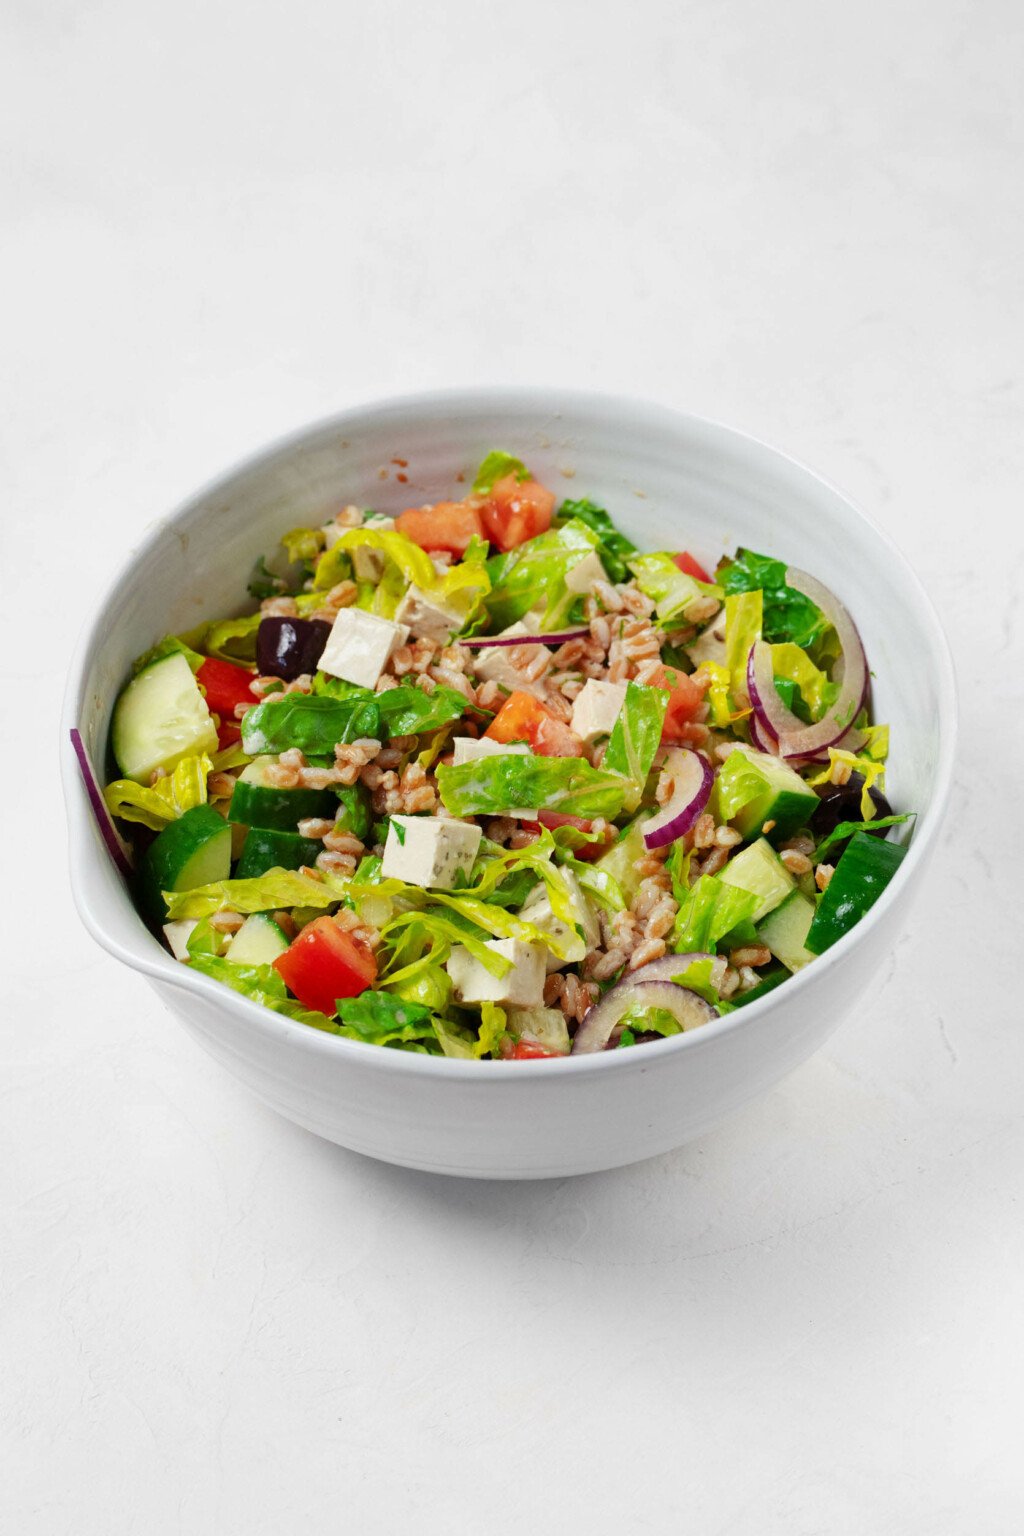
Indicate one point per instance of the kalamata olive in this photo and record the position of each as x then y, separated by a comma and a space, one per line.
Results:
842, 803
288, 647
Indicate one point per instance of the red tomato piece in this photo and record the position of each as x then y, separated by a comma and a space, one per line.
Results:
685, 699
524, 718
229, 734
690, 566
226, 685
324, 964
447, 525
516, 510
531, 1050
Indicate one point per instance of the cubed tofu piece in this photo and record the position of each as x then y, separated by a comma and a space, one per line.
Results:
522, 985
538, 910
709, 644
429, 851
427, 618
177, 936
494, 665
359, 645
583, 575
466, 748
597, 708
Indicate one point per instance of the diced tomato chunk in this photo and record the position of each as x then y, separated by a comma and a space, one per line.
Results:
516, 510
524, 718
229, 734
531, 1050
324, 964
691, 567
447, 525
685, 699
225, 685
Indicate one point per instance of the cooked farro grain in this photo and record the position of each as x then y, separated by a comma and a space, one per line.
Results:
750, 954
822, 875
796, 863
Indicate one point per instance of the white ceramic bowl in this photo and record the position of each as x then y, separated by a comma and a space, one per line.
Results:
668, 479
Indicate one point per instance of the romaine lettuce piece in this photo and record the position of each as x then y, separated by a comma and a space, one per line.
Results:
263, 985
263, 893
788, 614
743, 618
494, 468
793, 665
670, 589
635, 738
534, 573
710, 910
613, 547
380, 1019
314, 723
169, 798
489, 785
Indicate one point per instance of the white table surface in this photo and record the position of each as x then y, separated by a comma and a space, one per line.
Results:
222, 221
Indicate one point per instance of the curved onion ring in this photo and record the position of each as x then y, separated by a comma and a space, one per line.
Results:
115, 844
795, 739
693, 778
688, 1008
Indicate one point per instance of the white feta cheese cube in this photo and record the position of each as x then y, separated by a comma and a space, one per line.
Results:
467, 749
583, 575
177, 935
597, 708
426, 617
494, 665
537, 910
521, 986
359, 645
429, 851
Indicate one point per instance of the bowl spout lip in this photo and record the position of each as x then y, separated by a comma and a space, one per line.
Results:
102, 898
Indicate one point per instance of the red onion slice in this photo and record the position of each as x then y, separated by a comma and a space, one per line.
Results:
116, 845
692, 780
774, 719
688, 1008
559, 638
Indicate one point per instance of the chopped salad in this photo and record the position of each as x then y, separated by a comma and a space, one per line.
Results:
485, 780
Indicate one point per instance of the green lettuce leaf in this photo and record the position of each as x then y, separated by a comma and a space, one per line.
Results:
613, 547
414, 563
635, 738
462, 1042
793, 665
169, 797
489, 785
302, 544
535, 572
788, 614
381, 1019
599, 884
405, 710
313, 723
739, 781
846, 829
263, 893
263, 985
709, 911
235, 639
355, 810
494, 468
449, 928
743, 619
670, 589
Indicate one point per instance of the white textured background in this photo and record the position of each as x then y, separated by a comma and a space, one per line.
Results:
222, 220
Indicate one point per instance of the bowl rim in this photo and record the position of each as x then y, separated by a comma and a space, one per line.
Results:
146, 955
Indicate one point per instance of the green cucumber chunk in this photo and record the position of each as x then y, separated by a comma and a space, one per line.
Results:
774, 792
267, 848
765, 985
259, 941
759, 870
194, 850
862, 874
255, 803
784, 931
159, 718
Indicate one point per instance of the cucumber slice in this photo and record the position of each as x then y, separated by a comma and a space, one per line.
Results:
785, 931
160, 718
766, 985
781, 797
259, 941
194, 850
759, 870
861, 876
622, 859
255, 803
266, 848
